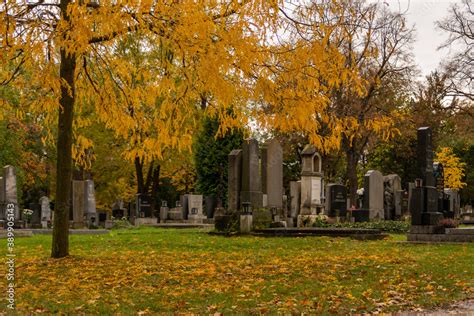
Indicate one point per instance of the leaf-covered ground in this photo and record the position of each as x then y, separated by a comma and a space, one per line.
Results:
152, 270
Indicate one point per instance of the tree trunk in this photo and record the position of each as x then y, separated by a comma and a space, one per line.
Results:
154, 187
351, 174
139, 172
60, 245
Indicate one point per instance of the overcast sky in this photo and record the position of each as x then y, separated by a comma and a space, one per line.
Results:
423, 14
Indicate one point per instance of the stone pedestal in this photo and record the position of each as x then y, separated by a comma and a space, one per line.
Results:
246, 222
195, 209
108, 224
176, 214
164, 213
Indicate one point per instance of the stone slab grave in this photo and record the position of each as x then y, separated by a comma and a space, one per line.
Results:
356, 233
374, 194
454, 235
312, 186
176, 213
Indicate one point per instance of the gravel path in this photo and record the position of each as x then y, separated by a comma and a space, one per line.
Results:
463, 308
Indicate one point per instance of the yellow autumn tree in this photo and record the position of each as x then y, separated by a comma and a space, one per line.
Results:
347, 57
453, 168
67, 49
186, 57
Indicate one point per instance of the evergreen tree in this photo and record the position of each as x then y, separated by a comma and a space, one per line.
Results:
211, 157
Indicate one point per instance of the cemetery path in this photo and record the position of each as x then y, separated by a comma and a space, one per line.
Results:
465, 307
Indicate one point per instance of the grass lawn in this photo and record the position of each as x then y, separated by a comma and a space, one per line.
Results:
164, 270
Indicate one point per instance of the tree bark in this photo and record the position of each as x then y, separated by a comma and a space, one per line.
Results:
60, 244
351, 174
154, 187
140, 180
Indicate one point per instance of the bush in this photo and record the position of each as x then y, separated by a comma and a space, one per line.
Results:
122, 223
386, 226
262, 218
229, 223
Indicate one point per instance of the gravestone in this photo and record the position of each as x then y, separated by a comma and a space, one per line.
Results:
411, 185
425, 157
118, 209
8, 193
251, 190
374, 194
311, 182
392, 196
295, 195
90, 204
183, 203
176, 213
78, 203
164, 210
35, 219
336, 197
274, 176
264, 172
234, 180
312, 187
454, 201
196, 214
443, 203
143, 205
425, 196
45, 211
210, 202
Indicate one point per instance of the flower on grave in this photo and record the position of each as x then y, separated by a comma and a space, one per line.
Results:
124, 218
27, 213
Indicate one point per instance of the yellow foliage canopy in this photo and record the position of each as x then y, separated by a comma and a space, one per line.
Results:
453, 168
146, 68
